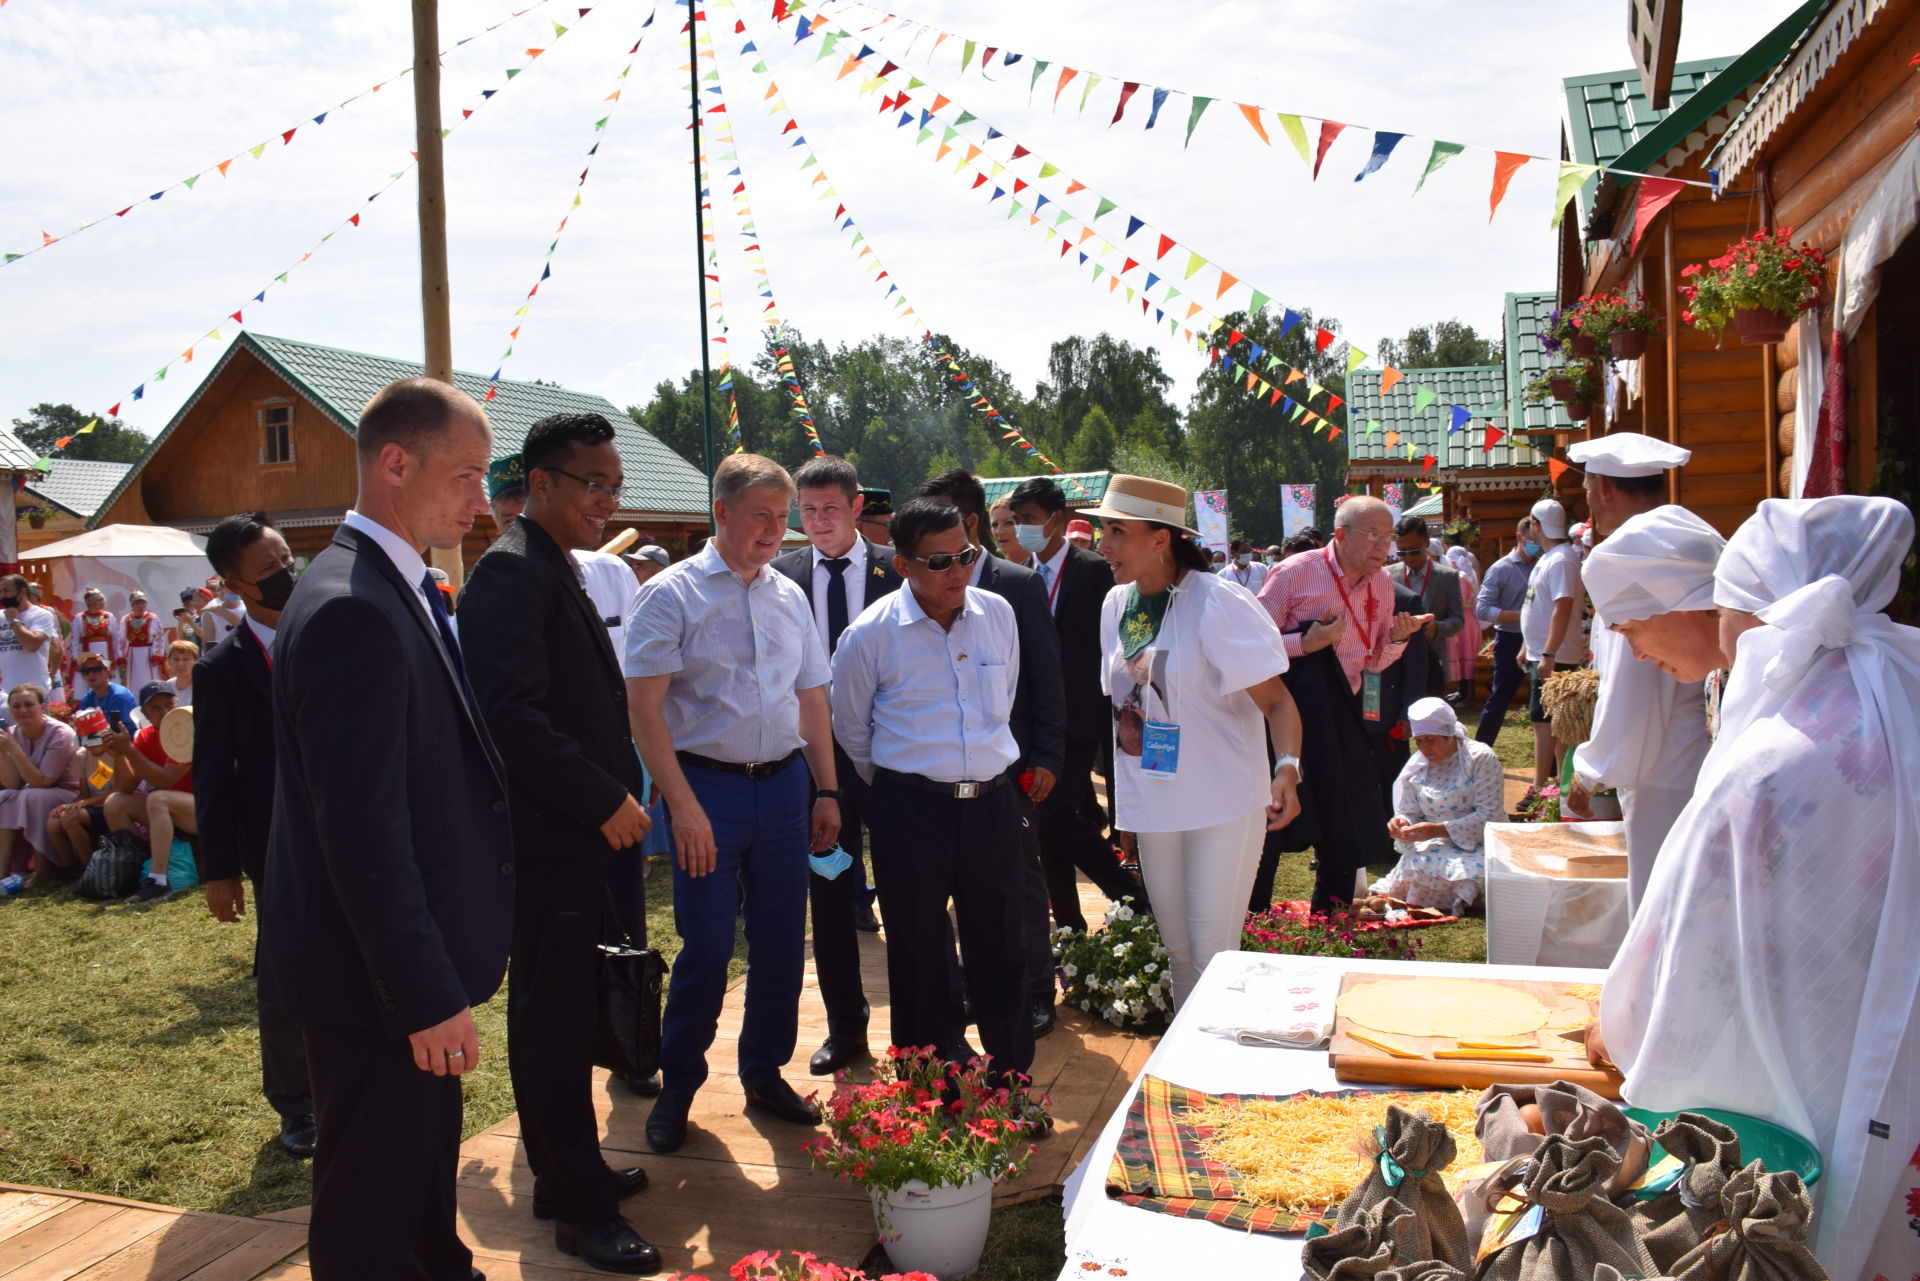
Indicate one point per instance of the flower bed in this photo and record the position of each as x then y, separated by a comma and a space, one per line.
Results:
1121, 973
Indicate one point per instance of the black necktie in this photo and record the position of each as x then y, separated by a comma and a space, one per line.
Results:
437, 606
836, 600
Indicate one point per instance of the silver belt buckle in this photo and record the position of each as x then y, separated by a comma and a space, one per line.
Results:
965, 791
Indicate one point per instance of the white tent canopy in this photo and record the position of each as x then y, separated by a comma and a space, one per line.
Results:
125, 540
119, 559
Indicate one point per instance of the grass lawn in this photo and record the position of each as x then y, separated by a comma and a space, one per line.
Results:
129, 1062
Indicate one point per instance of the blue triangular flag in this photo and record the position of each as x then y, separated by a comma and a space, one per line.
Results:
320, 119
1040, 204
1288, 321
1460, 419
547, 272
997, 193
1010, 59
1383, 145
1133, 225
1159, 100
992, 133
1152, 280
140, 391
749, 47
866, 51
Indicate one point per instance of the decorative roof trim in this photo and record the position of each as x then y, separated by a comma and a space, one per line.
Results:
1791, 84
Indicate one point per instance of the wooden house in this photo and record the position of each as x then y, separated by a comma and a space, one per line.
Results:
271, 429
18, 465
58, 503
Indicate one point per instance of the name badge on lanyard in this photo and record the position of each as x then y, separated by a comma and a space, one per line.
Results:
1159, 749
1370, 695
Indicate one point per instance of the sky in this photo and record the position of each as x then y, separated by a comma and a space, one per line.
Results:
105, 102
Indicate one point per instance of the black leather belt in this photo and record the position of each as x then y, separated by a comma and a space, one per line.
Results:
755, 769
964, 791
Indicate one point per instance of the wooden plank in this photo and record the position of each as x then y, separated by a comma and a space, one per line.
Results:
21, 1210
72, 1221
189, 1243
259, 1252
102, 1242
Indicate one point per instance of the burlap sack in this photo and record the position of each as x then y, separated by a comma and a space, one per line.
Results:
1678, 1219
1405, 1156
1566, 1109
1766, 1233
1580, 1229
1377, 1240
1431, 1270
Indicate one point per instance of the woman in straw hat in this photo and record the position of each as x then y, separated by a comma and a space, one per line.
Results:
1193, 666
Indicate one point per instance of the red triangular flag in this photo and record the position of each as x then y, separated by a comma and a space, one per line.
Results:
1166, 243
1333, 433
978, 179
1235, 336
1128, 266
1329, 130
124, 212
1019, 152
287, 137
1322, 340
1494, 437
1019, 185
1127, 90
1426, 463
115, 411
236, 320
1505, 165
355, 220
1655, 194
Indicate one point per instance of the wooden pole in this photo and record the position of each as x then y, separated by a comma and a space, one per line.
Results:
436, 304
700, 240
1671, 282
1769, 367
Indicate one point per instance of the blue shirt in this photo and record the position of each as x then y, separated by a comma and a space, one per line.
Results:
1504, 588
119, 699
912, 696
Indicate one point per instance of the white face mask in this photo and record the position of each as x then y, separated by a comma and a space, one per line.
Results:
1243, 560
1032, 538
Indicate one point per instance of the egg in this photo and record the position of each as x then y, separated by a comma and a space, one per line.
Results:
1530, 1117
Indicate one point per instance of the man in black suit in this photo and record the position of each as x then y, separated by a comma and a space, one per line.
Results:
550, 689
1038, 722
233, 782
1077, 583
842, 574
389, 904
1437, 584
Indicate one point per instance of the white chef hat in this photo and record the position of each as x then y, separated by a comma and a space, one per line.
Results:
1551, 517
1434, 716
1627, 454
1657, 562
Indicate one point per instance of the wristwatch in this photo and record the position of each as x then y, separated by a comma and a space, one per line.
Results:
1284, 762
826, 794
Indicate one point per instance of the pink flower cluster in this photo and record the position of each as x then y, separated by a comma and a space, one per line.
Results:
763, 1265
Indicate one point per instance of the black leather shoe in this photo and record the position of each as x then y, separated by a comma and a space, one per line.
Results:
777, 1097
298, 1134
836, 1054
1043, 1018
644, 1086
475, 1274
667, 1123
626, 1183
611, 1246
864, 920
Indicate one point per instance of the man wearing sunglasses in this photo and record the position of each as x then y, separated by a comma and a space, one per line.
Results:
923, 691
103, 692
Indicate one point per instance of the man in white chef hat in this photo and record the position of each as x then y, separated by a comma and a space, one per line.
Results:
1650, 729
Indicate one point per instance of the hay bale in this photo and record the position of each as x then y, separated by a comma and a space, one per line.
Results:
1570, 698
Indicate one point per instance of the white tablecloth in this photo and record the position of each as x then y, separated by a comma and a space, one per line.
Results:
1551, 920
1160, 1247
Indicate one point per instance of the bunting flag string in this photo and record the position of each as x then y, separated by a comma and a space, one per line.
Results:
260, 149
237, 315
718, 332
599, 135
859, 244
892, 24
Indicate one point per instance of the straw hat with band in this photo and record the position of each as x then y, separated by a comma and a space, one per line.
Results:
1143, 498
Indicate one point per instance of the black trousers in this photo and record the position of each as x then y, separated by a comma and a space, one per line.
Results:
927, 849
384, 1169
552, 1015
836, 943
1507, 676
1070, 838
283, 1049
1036, 933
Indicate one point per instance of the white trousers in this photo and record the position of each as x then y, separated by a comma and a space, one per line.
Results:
1199, 882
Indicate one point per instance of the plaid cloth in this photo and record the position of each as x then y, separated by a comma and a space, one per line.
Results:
1159, 1163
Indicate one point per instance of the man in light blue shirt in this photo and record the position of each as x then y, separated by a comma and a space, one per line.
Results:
923, 686
1502, 591
726, 691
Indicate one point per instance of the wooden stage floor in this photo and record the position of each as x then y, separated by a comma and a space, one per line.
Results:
739, 1184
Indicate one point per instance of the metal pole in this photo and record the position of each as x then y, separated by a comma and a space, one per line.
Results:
700, 236
436, 306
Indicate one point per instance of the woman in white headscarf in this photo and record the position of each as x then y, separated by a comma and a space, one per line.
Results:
1447, 793
1774, 964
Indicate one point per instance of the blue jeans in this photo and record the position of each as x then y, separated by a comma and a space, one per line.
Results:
760, 832
1507, 675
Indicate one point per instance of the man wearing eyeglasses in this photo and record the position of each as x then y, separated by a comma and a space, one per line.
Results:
1437, 584
923, 689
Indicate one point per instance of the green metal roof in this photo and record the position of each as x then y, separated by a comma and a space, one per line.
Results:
1480, 389
79, 486
339, 383
14, 454
1083, 488
1526, 359
1608, 113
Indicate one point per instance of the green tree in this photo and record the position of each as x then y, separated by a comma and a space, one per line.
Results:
1093, 444
1100, 372
111, 441
1243, 444
1445, 344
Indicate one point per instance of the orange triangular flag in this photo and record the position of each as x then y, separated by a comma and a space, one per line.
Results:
1556, 469
1253, 118
1393, 438
1076, 185
222, 167
1505, 165
1227, 281
1388, 377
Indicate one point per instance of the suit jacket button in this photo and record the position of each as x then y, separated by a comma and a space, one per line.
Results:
499, 807
506, 869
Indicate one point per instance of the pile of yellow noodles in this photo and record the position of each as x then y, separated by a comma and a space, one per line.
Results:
1302, 1153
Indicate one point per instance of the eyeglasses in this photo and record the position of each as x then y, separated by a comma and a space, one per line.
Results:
594, 487
88, 671
941, 562
1412, 551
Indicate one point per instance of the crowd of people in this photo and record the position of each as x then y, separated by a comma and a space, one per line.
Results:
895, 716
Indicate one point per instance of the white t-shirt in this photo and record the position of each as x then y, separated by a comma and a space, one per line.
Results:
1215, 642
1555, 577
18, 666
611, 587
181, 697
1250, 576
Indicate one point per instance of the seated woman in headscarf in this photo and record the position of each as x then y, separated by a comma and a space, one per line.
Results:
1447, 793
1774, 963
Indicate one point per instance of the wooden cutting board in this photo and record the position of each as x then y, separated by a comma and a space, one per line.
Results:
1357, 1061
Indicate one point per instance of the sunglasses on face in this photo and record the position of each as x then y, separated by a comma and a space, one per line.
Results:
89, 671
940, 562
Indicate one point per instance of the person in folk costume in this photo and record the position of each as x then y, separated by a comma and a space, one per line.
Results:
1649, 728
139, 655
96, 631
1773, 966
1463, 648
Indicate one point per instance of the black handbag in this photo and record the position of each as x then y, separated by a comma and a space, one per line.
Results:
631, 977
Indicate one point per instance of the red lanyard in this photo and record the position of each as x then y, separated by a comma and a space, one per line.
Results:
1340, 581
1425, 577
264, 651
1053, 588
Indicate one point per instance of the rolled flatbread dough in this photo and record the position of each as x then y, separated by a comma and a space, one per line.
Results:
1457, 1008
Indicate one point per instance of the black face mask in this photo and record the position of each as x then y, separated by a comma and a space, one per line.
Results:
276, 589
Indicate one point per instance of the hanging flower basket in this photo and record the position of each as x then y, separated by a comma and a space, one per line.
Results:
1562, 388
1764, 273
1585, 346
1579, 410
1627, 344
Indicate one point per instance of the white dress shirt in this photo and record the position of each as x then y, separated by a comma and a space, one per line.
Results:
404, 558
739, 653
262, 631
914, 697
1049, 571
855, 577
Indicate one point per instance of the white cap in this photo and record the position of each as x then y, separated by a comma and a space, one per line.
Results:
1434, 716
1657, 562
1627, 454
1551, 517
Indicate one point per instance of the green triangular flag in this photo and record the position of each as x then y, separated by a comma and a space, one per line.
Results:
1093, 78
601, 123
161, 376
1200, 106
512, 72
1424, 397
915, 82
1106, 207
1038, 67
1097, 269
1355, 358
1047, 170
760, 68
1065, 217
1194, 263
188, 183
966, 55
924, 135
1441, 153
1571, 177
949, 134
1258, 304
1373, 425
965, 116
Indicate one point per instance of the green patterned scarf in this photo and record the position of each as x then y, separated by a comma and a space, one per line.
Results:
1140, 621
